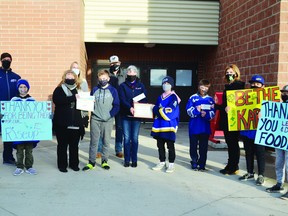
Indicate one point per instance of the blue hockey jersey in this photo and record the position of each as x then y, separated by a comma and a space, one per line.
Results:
166, 111
197, 123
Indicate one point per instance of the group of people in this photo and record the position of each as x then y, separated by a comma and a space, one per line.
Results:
233, 82
114, 99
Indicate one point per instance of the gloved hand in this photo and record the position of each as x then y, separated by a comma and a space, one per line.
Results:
82, 132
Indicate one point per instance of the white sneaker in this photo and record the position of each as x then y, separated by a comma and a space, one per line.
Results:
159, 166
18, 172
170, 168
31, 171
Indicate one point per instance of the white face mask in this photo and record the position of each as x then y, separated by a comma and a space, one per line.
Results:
166, 87
76, 71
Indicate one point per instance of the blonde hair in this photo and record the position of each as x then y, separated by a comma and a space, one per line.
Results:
77, 80
235, 69
102, 72
80, 76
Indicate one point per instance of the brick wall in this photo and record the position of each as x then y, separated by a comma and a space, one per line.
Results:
248, 37
283, 47
43, 37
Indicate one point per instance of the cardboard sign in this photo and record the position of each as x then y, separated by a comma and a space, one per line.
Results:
273, 125
26, 120
244, 106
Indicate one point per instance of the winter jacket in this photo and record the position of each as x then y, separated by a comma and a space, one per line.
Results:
127, 91
8, 84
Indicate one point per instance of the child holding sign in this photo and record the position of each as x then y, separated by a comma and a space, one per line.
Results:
21, 146
281, 162
200, 108
252, 149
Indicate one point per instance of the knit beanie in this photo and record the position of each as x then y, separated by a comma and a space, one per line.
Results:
24, 82
169, 80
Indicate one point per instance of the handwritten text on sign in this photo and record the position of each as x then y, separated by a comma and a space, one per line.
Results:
26, 120
273, 125
245, 105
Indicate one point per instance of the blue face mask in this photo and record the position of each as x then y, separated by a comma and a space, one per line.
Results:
166, 87
103, 82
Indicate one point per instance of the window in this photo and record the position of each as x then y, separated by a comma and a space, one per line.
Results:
156, 76
183, 77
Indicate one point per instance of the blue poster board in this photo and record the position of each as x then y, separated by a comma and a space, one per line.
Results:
26, 120
273, 125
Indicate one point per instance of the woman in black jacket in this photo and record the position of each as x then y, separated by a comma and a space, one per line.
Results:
67, 122
232, 77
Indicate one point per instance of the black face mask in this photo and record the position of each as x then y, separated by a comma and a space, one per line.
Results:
284, 98
6, 64
254, 87
230, 77
114, 68
131, 78
70, 81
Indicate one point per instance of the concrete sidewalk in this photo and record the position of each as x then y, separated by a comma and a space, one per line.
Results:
136, 191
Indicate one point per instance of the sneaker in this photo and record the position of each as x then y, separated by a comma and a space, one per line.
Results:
170, 168
89, 166
105, 165
31, 171
159, 166
275, 189
119, 155
126, 164
247, 176
260, 180
18, 172
284, 196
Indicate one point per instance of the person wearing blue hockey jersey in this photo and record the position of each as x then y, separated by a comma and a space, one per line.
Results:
200, 108
165, 125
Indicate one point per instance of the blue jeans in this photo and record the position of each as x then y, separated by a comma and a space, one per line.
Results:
131, 129
200, 140
281, 163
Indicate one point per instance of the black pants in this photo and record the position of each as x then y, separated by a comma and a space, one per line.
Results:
232, 140
252, 149
67, 137
162, 152
8, 152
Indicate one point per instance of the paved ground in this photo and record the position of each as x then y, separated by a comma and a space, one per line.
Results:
136, 191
